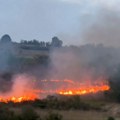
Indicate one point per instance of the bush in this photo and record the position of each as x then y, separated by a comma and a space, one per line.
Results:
62, 103
53, 116
28, 113
40, 103
6, 114
111, 118
52, 102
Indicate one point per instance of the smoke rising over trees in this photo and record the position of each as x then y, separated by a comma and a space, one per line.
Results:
78, 63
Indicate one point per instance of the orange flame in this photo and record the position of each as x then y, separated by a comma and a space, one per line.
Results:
92, 89
68, 88
17, 99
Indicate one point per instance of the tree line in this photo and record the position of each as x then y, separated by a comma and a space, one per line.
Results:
56, 42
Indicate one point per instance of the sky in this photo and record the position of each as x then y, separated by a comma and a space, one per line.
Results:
44, 19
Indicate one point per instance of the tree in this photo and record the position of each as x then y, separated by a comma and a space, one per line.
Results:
35, 42
24, 42
6, 38
42, 44
48, 44
56, 42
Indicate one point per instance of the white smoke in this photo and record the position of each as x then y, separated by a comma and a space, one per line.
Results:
23, 85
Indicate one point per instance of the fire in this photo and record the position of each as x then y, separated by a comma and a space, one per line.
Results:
69, 87
82, 91
22, 90
17, 99
51, 87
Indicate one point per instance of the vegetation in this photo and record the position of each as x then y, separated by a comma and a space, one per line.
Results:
53, 116
35, 44
6, 114
111, 118
114, 82
28, 113
59, 103
18, 64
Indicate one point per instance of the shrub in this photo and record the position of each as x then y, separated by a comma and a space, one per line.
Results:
28, 113
111, 118
53, 116
40, 103
6, 114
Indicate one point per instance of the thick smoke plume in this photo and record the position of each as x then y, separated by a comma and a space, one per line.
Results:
68, 67
83, 63
99, 56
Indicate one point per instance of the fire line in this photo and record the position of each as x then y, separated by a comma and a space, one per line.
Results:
68, 88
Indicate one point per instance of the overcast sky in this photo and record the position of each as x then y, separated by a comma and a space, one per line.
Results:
43, 19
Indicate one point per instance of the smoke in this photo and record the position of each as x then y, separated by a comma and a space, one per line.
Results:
84, 63
104, 29
96, 50
70, 67
99, 23
23, 86
6, 51
96, 60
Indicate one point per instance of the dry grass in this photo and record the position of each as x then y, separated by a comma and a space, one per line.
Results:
110, 110
79, 115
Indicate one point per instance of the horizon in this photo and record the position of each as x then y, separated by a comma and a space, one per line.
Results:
70, 20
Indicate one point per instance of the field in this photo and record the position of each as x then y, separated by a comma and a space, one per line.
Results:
81, 115
111, 109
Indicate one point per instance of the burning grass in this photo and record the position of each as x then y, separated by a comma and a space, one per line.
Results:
86, 90
17, 99
70, 87
23, 90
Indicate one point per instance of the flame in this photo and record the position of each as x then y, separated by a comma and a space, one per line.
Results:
70, 87
17, 99
92, 89
62, 87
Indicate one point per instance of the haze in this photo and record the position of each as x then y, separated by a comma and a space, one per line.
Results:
70, 20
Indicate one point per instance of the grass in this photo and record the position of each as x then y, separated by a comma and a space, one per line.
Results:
74, 114
103, 111
79, 115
